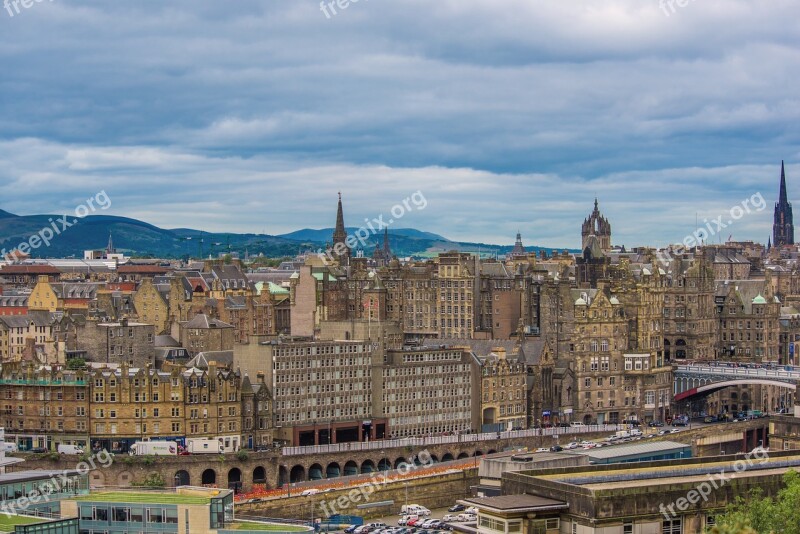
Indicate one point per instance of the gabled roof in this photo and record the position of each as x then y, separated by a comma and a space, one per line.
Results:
202, 321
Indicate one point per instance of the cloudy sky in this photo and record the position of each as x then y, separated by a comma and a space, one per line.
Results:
507, 115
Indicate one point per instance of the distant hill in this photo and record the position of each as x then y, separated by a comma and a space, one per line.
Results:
140, 239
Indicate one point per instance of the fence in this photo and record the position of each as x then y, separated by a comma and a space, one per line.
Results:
444, 440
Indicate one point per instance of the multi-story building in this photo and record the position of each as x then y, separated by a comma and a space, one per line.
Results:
459, 276
430, 391
34, 332
504, 392
749, 321
44, 407
151, 305
690, 315
206, 334
123, 341
130, 404
324, 391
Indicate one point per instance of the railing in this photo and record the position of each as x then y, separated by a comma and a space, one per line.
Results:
443, 440
738, 371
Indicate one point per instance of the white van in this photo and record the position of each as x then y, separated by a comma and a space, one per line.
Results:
577, 425
69, 449
8, 446
414, 509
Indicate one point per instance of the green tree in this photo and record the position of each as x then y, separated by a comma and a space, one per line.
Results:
764, 515
76, 363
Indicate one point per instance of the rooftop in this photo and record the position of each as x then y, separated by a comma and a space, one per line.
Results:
646, 447
8, 522
517, 503
155, 497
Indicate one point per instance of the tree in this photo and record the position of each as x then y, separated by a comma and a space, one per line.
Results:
764, 515
76, 363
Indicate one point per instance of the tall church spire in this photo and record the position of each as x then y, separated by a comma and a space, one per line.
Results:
340, 234
782, 198
783, 222
110, 246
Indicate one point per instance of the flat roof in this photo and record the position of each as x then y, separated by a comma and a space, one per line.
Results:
25, 476
131, 497
645, 447
517, 503
8, 522
628, 475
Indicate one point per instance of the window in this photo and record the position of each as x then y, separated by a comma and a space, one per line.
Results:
627, 527
711, 521
155, 515
673, 526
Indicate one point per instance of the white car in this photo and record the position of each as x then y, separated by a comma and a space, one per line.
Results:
542, 449
429, 523
467, 517
403, 521
450, 518
571, 445
312, 491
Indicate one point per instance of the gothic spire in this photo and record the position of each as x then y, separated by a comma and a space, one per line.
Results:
386, 250
340, 233
782, 198
110, 246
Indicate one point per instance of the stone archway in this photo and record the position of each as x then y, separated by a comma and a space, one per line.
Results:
259, 475
350, 469
209, 477
298, 474
367, 467
182, 478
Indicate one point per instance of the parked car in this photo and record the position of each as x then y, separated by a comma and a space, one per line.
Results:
363, 529
564, 425
674, 431
542, 449
38, 450
556, 448
403, 521
450, 517
655, 424
577, 424
351, 529
308, 492
471, 510
571, 445
457, 508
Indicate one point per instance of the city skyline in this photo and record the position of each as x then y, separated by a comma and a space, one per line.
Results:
514, 119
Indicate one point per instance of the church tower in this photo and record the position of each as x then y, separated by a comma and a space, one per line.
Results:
783, 225
598, 226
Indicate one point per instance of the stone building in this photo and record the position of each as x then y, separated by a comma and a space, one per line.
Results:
504, 392
205, 334
44, 407
690, 314
152, 305
123, 341
459, 276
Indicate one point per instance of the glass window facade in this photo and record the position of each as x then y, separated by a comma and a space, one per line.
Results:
122, 518
64, 526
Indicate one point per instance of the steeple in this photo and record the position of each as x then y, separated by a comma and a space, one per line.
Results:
783, 222
339, 233
387, 252
782, 198
110, 246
